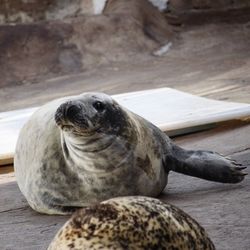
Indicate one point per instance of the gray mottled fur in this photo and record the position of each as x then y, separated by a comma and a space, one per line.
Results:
58, 170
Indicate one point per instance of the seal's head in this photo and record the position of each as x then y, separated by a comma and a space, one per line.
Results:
90, 113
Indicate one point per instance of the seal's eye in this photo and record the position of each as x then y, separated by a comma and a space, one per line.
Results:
99, 106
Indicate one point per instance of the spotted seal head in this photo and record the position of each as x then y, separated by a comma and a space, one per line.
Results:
84, 149
93, 114
131, 223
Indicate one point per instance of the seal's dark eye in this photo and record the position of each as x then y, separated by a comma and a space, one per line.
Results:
99, 106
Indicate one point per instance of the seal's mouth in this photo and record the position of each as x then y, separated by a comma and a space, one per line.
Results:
70, 116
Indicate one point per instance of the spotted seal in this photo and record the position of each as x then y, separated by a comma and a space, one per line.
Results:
84, 149
134, 223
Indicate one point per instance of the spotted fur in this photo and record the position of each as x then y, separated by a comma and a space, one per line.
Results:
133, 223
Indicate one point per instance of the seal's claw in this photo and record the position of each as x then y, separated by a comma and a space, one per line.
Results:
241, 168
236, 165
236, 172
234, 162
231, 170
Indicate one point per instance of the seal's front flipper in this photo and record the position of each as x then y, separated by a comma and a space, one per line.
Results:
205, 164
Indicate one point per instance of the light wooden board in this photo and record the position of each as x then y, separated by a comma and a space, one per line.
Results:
171, 110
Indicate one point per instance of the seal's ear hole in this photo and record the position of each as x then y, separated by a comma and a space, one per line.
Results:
99, 106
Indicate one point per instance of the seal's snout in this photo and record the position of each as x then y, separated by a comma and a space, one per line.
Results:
69, 114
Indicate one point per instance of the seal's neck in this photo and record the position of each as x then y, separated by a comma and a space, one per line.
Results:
81, 149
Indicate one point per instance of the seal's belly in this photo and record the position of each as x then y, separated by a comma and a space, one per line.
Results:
127, 175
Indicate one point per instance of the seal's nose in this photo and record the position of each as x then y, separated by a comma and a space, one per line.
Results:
71, 110
67, 111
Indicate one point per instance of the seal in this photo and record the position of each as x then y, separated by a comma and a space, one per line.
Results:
84, 149
134, 223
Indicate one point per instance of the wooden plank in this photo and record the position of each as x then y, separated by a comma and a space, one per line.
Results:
171, 110
6, 159
6, 169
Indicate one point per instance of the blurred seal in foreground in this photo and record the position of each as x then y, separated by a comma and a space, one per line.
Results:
131, 223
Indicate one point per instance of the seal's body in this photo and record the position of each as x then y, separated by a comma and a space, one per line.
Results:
131, 223
84, 149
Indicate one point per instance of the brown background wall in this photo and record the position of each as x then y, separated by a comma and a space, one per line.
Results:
42, 46
28, 11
